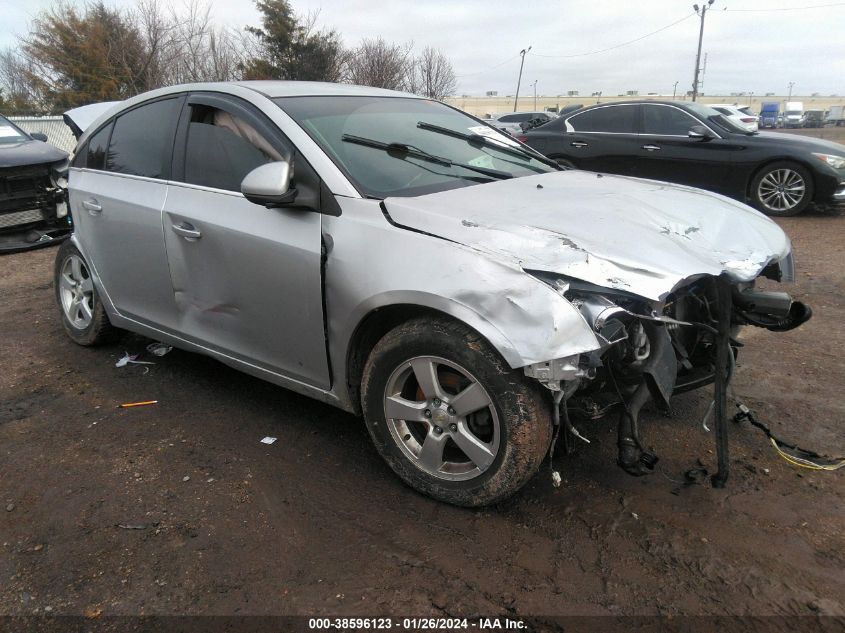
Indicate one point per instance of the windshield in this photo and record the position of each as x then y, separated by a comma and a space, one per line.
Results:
9, 133
393, 146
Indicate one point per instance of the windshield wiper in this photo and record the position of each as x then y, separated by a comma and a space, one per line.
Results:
402, 151
479, 140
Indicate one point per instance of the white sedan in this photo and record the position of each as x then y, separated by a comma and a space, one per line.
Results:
737, 115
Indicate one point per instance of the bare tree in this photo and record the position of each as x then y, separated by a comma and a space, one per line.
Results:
20, 95
380, 64
432, 75
186, 45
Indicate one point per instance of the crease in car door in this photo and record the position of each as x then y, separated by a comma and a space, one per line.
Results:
246, 278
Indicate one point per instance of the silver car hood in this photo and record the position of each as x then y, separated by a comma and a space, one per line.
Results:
641, 236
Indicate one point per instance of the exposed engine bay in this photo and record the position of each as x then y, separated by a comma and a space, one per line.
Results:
650, 354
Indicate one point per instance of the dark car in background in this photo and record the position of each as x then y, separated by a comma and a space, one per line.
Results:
691, 144
33, 208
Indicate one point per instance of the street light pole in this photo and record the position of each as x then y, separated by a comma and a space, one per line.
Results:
519, 81
674, 90
535, 95
791, 83
701, 12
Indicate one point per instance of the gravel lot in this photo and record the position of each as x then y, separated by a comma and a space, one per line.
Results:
178, 508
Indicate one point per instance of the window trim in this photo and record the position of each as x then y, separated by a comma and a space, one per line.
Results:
108, 124
637, 116
262, 124
639, 120
236, 107
167, 168
668, 105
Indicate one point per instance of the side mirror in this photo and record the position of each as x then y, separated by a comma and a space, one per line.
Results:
699, 133
269, 184
39, 136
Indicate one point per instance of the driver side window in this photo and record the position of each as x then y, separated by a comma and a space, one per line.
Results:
222, 149
666, 121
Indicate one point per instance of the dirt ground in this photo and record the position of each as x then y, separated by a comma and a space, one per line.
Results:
829, 133
178, 508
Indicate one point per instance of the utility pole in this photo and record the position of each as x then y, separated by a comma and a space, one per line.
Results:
519, 81
701, 13
791, 83
535, 95
674, 90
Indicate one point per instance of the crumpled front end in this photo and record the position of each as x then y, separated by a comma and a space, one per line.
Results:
660, 274
653, 350
33, 207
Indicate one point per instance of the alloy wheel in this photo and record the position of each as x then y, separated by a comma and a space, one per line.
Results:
442, 418
781, 190
76, 290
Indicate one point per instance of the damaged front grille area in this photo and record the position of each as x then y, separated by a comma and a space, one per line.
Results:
645, 354
25, 188
18, 218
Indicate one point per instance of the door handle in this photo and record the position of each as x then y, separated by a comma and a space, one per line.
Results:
578, 144
651, 148
187, 230
93, 206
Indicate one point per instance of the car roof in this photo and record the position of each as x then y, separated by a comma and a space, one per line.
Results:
270, 89
501, 114
317, 89
643, 101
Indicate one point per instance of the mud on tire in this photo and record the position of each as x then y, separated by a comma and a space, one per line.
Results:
514, 404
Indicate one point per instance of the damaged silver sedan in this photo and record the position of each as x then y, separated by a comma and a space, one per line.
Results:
400, 259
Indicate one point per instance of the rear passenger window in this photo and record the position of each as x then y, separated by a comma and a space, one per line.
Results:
95, 156
617, 119
223, 148
142, 141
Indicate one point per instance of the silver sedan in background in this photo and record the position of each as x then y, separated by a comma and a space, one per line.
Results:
392, 256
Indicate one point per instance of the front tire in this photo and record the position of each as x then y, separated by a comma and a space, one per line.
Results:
450, 417
82, 313
782, 189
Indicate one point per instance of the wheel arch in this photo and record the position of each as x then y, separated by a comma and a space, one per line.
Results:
382, 319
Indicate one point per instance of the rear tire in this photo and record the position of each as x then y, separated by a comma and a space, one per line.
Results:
782, 189
82, 313
479, 452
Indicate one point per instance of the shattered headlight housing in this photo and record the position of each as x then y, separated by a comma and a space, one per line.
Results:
612, 315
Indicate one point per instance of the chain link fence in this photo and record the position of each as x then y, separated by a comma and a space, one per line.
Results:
58, 133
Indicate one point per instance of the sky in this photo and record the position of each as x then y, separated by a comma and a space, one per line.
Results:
754, 46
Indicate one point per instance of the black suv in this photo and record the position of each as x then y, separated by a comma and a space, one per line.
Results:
33, 210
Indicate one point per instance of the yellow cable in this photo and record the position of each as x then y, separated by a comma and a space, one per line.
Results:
801, 463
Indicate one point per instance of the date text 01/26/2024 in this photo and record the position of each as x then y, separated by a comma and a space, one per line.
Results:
417, 624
